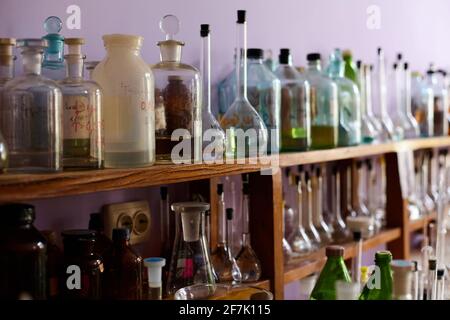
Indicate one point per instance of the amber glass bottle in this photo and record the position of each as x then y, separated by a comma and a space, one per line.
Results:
54, 264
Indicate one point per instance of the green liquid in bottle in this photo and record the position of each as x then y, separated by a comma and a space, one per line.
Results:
323, 137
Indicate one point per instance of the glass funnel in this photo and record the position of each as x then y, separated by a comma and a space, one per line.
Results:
324, 105
53, 63
348, 102
295, 105
31, 115
246, 259
245, 129
422, 99
190, 263
224, 263
178, 111
212, 132
300, 242
340, 232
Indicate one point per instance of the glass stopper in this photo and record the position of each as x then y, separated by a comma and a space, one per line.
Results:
53, 24
169, 25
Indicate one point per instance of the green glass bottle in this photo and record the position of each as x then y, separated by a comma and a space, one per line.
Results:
334, 270
379, 287
350, 70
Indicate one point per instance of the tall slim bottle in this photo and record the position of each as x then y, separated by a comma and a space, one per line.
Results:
440, 102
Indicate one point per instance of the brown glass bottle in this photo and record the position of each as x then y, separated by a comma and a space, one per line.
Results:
22, 254
54, 264
79, 255
123, 269
103, 243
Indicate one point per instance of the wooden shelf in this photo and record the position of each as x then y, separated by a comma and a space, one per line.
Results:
315, 261
419, 224
19, 187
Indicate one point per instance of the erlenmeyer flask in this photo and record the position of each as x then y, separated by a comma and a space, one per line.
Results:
300, 241
340, 232
190, 263
241, 117
224, 263
246, 259
317, 197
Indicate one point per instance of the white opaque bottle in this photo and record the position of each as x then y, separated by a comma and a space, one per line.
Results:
128, 92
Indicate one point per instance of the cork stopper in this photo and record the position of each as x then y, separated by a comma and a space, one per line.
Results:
74, 45
6, 46
334, 251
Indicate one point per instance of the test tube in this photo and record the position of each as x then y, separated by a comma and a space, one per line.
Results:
154, 267
356, 261
440, 285
431, 288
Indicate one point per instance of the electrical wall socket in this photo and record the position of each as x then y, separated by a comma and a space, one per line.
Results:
132, 215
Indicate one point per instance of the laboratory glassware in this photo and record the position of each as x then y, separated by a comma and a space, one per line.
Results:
440, 284
432, 280
241, 115
307, 196
317, 206
129, 113
349, 103
102, 242
190, 263
440, 103
358, 204
384, 291
246, 259
347, 193
227, 90
154, 267
210, 125
422, 100
371, 127
90, 67
269, 61
295, 105
401, 277
81, 112
334, 270
324, 105
31, 115
357, 259
350, 68
340, 231
415, 281
164, 211
53, 62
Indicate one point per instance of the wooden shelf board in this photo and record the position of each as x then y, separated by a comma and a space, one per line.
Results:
316, 260
19, 187
419, 224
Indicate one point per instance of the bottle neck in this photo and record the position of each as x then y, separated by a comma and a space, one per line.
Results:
241, 61
120, 51
300, 201
407, 92
245, 213
205, 69
368, 91
31, 60
74, 68
337, 197
6, 72
315, 65
121, 244
222, 220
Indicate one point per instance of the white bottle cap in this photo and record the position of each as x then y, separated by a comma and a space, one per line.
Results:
154, 267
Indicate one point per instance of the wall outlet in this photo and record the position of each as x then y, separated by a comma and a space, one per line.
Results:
132, 215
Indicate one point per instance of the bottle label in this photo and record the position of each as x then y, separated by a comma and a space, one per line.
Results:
79, 117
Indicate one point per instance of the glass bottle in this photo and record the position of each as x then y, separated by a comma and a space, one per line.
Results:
264, 90
178, 100
269, 61
79, 250
35, 138
23, 255
439, 105
422, 99
357, 186
190, 263
295, 105
310, 229
102, 242
129, 114
227, 90
340, 232
241, 115
154, 267
246, 259
349, 104
224, 263
371, 126
371, 196
333, 271
54, 260
166, 238
440, 285
123, 269
288, 253
347, 193
210, 125
301, 243
350, 69
90, 66
82, 113
324, 105
53, 63
402, 273
317, 207
382, 290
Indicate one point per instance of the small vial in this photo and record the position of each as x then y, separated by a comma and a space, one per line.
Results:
154, 267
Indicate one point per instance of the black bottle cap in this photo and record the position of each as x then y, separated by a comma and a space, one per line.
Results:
394, 65
241, 16
440, 273
399, 56
163, 193
406, 66
358, 64
219, 188
78, 234
96, 222
379, 50
432, 264
334, 251
255, 53
229, 213
371, 67
356, 235
245, 188
283, 58
17, 213
120, 234
204, 30
313, 56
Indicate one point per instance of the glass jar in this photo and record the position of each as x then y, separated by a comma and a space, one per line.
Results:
82, 114
53, 63
81, 261
128, 100
177, 101
295, 123
23, 255
31, 119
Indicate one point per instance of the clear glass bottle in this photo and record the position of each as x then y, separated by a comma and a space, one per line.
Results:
241, 115
210, 125
422, 99
350, 68
269, 61
440, 103
349, 104
317, 207
295, 126
190, 263
264, 90
82, 114
324, 105
129, 114
341, 233
178, 100
53, 63
246, 259
35, 138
